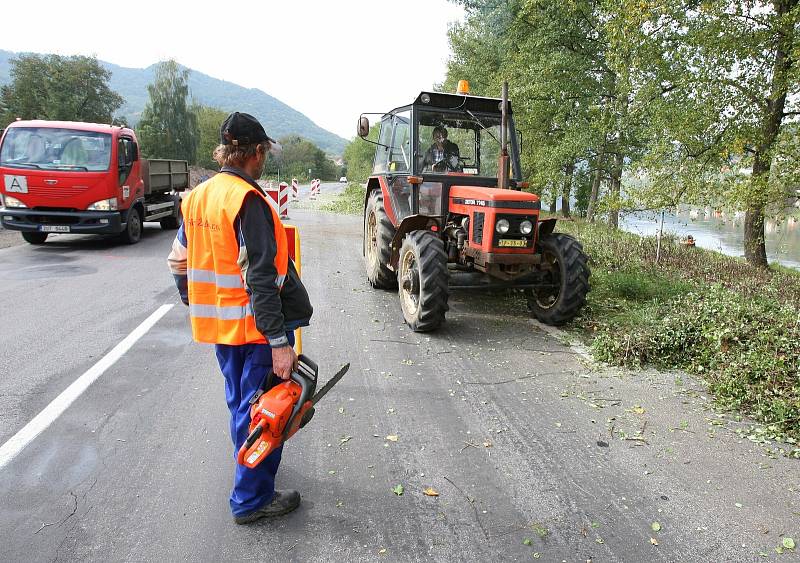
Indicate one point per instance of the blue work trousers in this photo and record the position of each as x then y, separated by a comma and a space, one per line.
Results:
245, 367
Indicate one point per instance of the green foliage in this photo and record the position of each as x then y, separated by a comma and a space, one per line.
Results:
208, 124
688, 102
700, 311
58, 88
350, 201
168, 128
359, 156
297, 157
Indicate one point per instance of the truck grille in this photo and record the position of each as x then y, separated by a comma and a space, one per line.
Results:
57, 192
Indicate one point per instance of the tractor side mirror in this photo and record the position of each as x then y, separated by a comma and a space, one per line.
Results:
363, 127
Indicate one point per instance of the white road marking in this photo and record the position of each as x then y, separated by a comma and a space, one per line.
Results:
41, 421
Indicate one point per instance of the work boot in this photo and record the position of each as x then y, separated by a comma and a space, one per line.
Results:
282, 503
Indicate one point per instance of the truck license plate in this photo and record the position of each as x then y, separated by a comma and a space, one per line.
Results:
513, 242
54, 228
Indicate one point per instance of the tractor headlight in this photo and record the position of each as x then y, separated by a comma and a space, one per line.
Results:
526, 227
502, 226
12, 202
104, 205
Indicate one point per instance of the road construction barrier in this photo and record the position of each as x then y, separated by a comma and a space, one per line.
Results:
293, 240
315, 189
294, 188
279, 198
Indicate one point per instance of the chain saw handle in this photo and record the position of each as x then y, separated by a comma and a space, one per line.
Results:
306, 377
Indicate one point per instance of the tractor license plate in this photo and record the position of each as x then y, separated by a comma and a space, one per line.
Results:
54, 228
513, 242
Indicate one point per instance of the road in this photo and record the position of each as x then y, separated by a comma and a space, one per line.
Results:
534, 452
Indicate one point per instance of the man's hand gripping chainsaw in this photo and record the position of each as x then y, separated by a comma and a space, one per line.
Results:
276, 415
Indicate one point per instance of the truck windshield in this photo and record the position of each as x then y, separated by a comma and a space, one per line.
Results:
462, 143
56, 149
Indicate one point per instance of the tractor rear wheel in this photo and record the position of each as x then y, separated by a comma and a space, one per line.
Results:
378, 233
423, 277
565, 282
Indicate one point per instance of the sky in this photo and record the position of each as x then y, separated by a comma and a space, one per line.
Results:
330, 60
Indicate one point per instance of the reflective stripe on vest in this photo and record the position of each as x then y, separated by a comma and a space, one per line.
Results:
210, 276
220, 309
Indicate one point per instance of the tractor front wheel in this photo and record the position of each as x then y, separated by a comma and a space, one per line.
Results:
378, 233
423, 277
565, 282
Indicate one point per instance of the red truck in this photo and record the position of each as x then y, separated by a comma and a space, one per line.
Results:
70, 177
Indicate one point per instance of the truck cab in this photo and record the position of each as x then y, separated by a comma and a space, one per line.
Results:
70, 177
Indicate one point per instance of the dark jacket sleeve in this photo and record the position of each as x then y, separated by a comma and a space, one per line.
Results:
279, 304
261, 276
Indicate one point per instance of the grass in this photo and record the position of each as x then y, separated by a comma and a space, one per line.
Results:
711, 315
349, 202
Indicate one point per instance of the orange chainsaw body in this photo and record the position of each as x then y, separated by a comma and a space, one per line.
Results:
272, 412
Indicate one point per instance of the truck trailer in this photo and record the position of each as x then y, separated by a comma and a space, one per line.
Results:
84, 178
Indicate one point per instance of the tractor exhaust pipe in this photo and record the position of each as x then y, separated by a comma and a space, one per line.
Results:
503, 160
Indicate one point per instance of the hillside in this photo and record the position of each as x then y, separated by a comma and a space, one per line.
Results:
279, 118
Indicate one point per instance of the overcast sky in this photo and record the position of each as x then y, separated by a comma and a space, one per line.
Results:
331, 60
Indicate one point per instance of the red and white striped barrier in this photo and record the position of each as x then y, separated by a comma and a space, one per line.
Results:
294, 188
315, 189
279, 199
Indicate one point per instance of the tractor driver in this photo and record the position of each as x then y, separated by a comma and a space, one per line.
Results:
443, 155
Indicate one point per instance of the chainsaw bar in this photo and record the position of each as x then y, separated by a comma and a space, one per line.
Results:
329, 385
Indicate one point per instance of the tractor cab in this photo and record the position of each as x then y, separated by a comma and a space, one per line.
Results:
446, 197
439, 141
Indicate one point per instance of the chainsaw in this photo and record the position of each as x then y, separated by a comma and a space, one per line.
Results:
277, 414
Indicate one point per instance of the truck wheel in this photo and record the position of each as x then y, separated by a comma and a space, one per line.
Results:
423, 278
565, 282
173, 221
133, 228
34, 237
378, 233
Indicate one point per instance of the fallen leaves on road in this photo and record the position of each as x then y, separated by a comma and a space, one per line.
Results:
431, 492
345, 439
392, 437
655, 526
788, 543
654, 541
398, 490
637, 409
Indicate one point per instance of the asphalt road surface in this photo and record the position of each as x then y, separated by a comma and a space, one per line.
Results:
534, 453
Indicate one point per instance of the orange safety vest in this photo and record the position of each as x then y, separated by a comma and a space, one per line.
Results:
219, 305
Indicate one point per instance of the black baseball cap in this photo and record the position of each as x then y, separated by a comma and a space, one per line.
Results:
242, 129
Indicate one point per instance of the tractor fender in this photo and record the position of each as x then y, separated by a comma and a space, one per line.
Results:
545, 227
407, 225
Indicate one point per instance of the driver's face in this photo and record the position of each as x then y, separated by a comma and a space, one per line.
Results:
439, 138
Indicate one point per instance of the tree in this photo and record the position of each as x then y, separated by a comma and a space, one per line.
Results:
58, 88
168, 127
297, 157
359, 156
733, 73
208, 124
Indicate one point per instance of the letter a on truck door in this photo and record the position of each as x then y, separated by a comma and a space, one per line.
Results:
16, 184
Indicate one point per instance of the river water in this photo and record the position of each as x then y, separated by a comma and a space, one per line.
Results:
722, 231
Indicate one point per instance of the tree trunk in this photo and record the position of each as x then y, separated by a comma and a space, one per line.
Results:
553, 198
616, 181
755, 251
569, 172
595, 187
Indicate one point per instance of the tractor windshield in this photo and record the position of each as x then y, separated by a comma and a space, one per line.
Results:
458, 143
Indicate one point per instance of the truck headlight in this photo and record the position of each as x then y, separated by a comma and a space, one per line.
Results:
12, 202
526, 227
502, 226
104, 205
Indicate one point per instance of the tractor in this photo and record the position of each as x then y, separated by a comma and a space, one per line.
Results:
446, 208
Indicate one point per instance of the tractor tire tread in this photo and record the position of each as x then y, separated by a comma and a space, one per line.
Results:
380, 277
575, 282
434, 280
